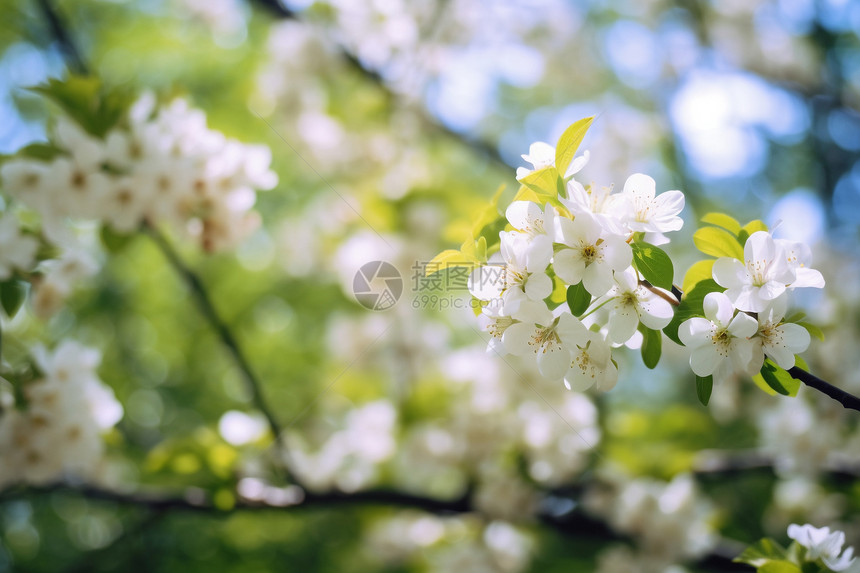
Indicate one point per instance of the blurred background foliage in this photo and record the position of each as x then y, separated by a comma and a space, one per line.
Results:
391, 124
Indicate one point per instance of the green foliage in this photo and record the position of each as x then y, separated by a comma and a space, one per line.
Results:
777, 379
718, 243
762, 552
698, 272
12, 295
654, 264
727, 222
569, 143
704, 386
652, 346
578, 299
88, 102
812, 330
544, 182
113, 241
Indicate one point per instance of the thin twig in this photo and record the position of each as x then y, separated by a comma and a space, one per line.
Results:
481, 147
204, 303
667, 297
67, 46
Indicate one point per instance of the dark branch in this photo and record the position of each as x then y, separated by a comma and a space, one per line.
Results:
204, 303
573, 522
848, 401
66, 45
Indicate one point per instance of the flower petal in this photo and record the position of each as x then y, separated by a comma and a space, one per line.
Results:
731, 273
553, 361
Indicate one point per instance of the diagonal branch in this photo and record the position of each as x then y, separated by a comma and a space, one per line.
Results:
67, 46
210, 313
479, 146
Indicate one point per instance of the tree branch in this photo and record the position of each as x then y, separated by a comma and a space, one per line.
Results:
573, 522
67, 46
848, 401
204, 303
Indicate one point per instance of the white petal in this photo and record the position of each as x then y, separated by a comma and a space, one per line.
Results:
538, 286
597, 279
538, 253
623, 321
695, 332
521, 214
517, 336
731, 273
743, 326
656, 313
795, 337
718, 308
641, 186
553, 361
577, 164
486, 282
579, 380
704, 359
669, 204
805, 277
569, 266
617, 253
570, 330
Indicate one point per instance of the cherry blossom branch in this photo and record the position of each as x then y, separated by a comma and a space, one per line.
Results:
575, 522
848, 401
667, 297
210, 313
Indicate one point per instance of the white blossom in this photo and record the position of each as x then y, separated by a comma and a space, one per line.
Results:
589, 254
822, 544
719, 343
651, 213
551, 338
592, 365
752, 285
17, 251
778, 340
631, 303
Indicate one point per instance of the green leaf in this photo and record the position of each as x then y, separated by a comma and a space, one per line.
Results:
654, 264
718, 243
704, 386
779, 567
697, 273
113, 241
40, 151
778, 379
85, 100
543, 182
569, 143
652, 346
761, 552
578, 299
12, 295
812, 330
691, 305
730, 224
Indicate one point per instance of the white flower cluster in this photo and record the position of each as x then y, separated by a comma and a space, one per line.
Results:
60, 432
744, 324
584, 241
824, 545
349, 458
161, 165
670, 522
